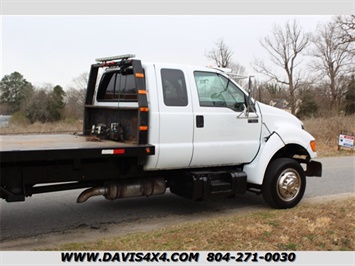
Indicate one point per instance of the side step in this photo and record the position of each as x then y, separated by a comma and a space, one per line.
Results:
204, 185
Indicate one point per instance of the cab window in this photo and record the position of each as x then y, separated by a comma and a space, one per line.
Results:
174, 87
115, 86
215, 90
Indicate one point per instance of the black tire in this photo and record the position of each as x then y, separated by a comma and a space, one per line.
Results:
284, 183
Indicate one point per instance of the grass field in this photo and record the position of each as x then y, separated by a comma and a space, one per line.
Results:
326, 131
315, 226
43, 128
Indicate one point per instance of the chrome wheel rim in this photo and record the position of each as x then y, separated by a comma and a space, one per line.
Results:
288, 184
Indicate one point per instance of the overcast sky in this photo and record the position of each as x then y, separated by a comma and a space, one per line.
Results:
56, 49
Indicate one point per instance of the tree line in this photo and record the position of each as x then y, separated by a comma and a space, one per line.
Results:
46, 103
314, 73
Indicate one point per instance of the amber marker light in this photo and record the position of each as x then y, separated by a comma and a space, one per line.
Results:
139, 75
313, 145
147, 150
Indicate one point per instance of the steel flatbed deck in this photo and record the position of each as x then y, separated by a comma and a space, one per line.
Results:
16, 148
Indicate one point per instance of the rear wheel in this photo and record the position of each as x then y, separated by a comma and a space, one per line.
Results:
284, 183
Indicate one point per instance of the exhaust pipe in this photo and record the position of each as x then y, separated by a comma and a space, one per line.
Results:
126, 189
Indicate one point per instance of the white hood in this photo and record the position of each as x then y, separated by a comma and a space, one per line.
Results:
275, 118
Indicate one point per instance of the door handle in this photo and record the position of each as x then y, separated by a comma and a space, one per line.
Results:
253, 120
199, 121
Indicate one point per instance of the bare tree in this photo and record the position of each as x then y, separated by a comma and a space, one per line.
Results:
346, 25
284, 45
75, 96
81, 81
221, 54
222, 57
332, 59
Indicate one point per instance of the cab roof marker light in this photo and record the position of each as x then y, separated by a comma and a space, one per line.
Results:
117, 57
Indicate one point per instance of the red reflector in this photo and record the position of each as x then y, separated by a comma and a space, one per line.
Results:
119, 151
109, 64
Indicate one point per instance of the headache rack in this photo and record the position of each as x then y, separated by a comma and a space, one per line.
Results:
120, 102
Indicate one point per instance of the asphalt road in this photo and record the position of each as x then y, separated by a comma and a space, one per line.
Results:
57, 212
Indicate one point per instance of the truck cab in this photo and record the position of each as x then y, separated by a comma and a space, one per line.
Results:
200, 115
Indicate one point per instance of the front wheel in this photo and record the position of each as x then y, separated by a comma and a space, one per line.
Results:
284, 183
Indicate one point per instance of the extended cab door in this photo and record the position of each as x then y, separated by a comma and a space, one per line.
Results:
176, 124
224, 133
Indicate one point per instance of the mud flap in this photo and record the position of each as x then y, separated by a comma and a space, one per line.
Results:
314, 168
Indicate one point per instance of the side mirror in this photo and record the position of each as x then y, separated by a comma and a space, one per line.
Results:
250, 85
250, 90
251, 104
